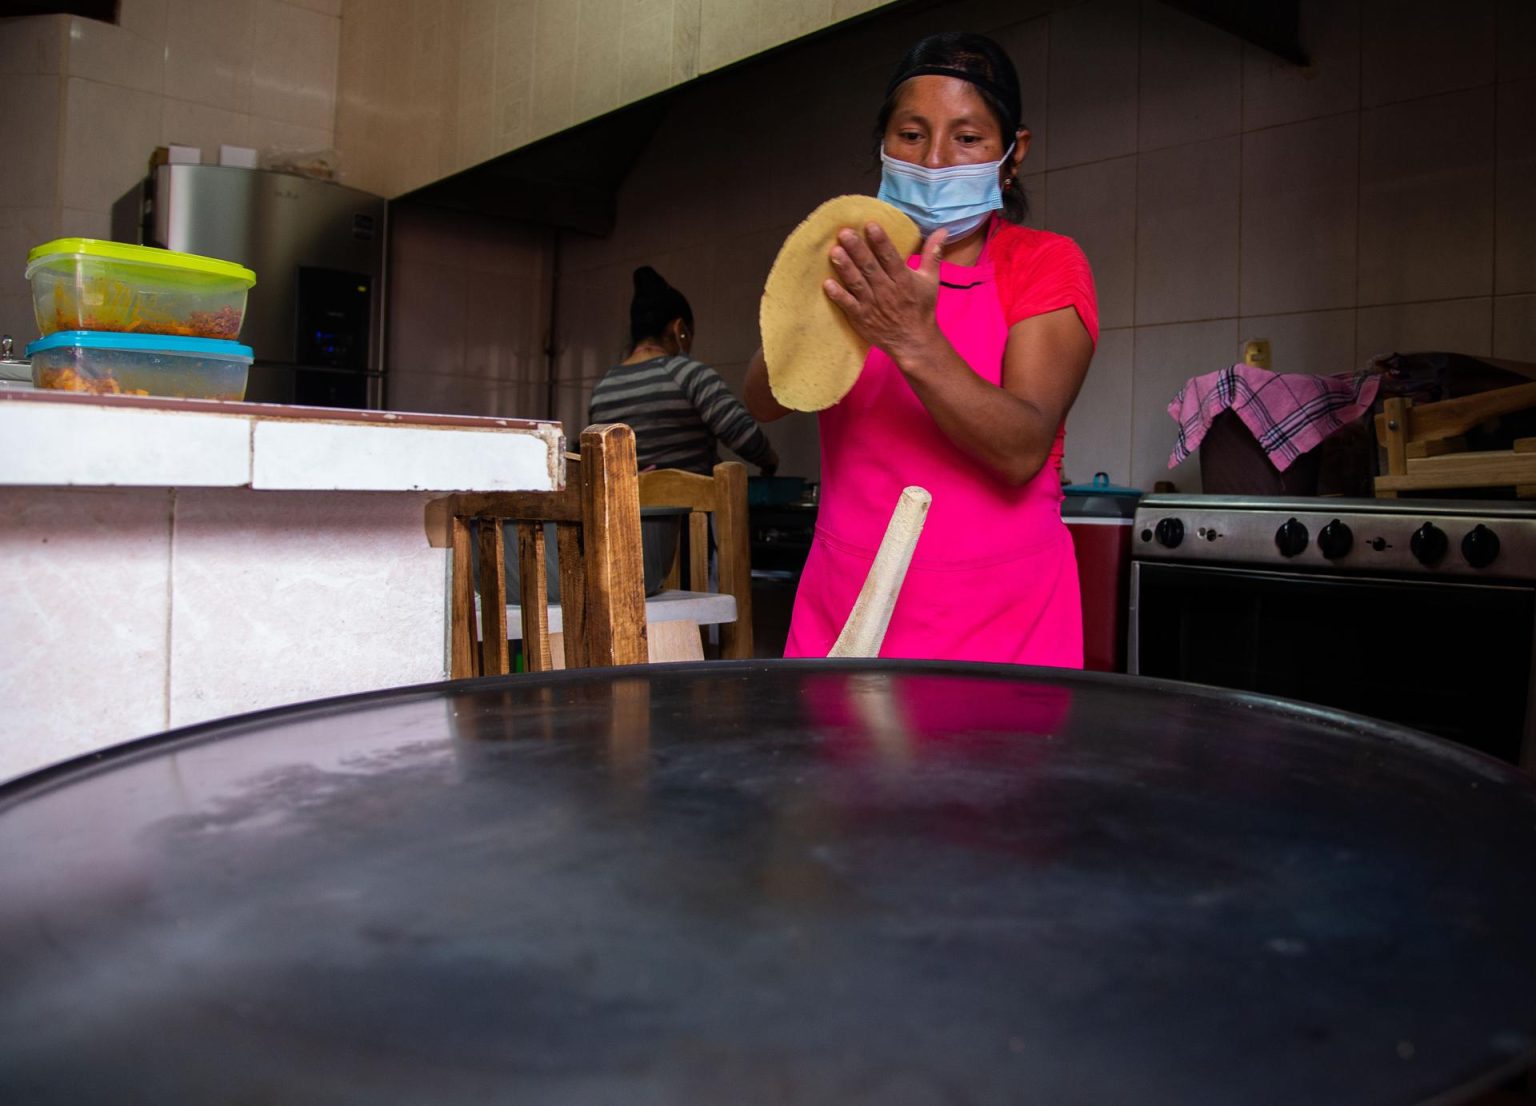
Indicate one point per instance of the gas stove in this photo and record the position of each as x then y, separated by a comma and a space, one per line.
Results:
1442, 538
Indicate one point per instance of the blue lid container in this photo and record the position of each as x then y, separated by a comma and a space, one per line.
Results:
102, 362
1099, 499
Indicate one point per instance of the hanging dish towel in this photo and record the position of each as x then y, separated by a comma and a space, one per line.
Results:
1287, 413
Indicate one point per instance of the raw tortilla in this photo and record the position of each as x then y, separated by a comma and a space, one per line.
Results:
813, 353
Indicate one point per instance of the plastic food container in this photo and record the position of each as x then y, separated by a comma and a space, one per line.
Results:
140, 365
86, 284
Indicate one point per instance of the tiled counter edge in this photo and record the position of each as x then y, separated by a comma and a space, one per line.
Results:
286, 559
118, 441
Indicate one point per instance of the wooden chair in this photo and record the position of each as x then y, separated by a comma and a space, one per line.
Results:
1427, 450
602, 583
722, 495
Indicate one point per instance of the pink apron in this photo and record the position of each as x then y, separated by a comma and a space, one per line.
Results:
994, 577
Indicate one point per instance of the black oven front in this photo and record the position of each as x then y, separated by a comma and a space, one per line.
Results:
1405, 619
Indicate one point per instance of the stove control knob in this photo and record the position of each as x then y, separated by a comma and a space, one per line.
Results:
1480, 547
1170, 532
1291, 538
1428, 543
1335, 540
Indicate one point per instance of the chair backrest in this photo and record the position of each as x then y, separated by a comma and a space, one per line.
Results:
722, 495
602, 580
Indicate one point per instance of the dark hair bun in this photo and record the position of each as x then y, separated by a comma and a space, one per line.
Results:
648, 281
656, 303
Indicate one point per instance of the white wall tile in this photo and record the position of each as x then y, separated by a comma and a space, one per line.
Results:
1191, 79
208, 52
1300, 184
109, 133
295, 53
284, 597
84, 224
1029, 46
1099, 425
88, 601
363, 457
1317, 342
646, 61
104, 446
426, 324
1187, 232
1166, 357
1517, 33
146, 18
685, 39
21, 228
1095, 204
1278, 91
1094, 70
554, 65
442, 393
1454, 326
16, 318
324, 7
33, 45
29, 177
1515, 188
601, 49
275, 140
187, 124
1426, 198
1415, 48
111, 54
1037, 197
503, 325
1514, 328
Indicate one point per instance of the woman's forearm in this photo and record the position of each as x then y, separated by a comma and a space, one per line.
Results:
758, 395
1009, 435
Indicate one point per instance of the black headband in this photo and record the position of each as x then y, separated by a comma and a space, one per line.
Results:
997, 90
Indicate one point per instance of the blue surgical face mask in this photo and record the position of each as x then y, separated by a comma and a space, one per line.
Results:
957, 197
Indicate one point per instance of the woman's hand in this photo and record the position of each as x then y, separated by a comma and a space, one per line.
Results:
889, 305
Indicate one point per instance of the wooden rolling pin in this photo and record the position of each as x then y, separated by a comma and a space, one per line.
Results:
871, 614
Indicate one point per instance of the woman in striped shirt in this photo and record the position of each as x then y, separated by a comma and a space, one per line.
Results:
679, 408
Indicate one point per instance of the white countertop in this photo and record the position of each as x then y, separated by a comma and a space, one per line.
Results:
60, 439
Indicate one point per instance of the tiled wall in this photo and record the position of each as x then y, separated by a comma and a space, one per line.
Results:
429, 88
87, 102
1383, 198
466, 331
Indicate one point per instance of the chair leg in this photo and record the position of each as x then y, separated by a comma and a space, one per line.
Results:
533, 596
494, 657
734, 557
462, 658
615, 571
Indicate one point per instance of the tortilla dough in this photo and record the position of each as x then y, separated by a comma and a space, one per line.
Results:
813, 354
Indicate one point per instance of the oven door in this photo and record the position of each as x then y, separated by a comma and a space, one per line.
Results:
1453, 659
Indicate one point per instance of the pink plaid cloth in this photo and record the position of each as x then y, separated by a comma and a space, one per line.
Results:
1288, 413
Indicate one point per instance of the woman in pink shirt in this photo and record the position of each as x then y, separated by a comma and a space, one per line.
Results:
980, 343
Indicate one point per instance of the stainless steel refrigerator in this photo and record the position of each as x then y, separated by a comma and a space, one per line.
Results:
315, 317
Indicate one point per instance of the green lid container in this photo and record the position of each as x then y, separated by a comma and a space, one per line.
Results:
88, 284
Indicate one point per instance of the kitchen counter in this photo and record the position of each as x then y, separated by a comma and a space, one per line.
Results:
61, 439
172, 561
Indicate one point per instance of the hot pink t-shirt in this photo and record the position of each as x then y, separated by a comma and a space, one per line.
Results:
993, 576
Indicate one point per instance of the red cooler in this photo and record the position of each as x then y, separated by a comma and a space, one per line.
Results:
1099, 516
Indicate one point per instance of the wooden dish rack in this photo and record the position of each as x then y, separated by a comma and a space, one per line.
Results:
1427, 449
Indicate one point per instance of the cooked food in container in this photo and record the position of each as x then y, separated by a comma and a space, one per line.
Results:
140, 365
87, 284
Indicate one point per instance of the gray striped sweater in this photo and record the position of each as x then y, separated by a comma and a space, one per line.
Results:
678, 408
